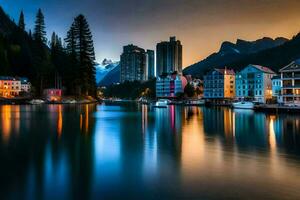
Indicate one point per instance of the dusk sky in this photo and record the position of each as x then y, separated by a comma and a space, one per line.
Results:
201, 25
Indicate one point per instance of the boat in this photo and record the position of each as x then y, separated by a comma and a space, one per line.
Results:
69, 101
199, 102
243, 105
36, 101
162, 103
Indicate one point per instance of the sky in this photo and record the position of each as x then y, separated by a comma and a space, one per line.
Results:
201, 25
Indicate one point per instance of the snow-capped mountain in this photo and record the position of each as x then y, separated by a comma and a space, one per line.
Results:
104, 68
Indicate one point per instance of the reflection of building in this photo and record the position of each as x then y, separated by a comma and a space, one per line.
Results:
169, 57
290, 76
276, 88
254, 82
150, 64
133, 64
170, 85
219, 84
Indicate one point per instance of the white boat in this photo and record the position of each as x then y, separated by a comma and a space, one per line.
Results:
198, 102
69, 101
243, 105
162, 103
36, 101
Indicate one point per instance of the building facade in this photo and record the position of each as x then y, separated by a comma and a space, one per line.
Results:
169, 57
219, 84
276, 88
25, 85
254, 83
150, 68
290, 76
133, 64
170, 85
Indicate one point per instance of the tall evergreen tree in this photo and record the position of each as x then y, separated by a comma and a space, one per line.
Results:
22, 21
39, 29
80, 47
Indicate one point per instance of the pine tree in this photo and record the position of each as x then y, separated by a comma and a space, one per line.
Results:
80, 47
39, 29
22, 21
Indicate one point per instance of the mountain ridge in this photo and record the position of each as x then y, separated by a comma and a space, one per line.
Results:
232, 52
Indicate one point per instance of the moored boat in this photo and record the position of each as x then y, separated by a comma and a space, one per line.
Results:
243, 105
199, 102
36, 101
162, 103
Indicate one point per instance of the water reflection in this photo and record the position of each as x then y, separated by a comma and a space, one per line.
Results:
92, 152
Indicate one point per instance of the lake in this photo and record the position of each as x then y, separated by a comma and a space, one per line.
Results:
137, 152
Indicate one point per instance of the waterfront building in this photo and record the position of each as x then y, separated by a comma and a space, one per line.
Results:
276, 88
169, 57
290, 76
168, 86
133, 64
219, 84
150, 69
52, 94
254, 83
10, 86
25, 85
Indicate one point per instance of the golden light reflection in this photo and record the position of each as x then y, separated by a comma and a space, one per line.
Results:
6, 122
86, 118
80, 122
17, 118
272, 136
193, 143
59, 121
228, 124
144, 118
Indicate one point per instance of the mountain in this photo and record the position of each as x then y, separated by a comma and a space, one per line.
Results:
232, 53
104, 68
7, 26
113, 76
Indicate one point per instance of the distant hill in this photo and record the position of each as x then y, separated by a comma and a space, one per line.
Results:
113, 76
238, 53
104, 68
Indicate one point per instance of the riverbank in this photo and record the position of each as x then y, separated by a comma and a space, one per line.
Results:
64, 100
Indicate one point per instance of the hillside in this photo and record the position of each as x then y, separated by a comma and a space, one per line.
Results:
111, 77
230, 54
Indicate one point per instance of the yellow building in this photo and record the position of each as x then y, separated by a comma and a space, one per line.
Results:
9, 87
219, 84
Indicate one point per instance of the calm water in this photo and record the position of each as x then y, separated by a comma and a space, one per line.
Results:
96, 151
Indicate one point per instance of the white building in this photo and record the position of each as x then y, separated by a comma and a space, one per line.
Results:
25, 85
290, 76
254, 83
276, 88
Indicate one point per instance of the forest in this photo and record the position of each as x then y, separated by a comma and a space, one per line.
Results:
67, 63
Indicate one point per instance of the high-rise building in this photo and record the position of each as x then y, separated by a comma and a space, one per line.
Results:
133, 64
150, 64
169, 57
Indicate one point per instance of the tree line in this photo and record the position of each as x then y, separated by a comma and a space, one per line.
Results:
56, 63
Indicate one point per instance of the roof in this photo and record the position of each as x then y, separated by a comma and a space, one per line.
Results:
293, 66
226, 71
263, 69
